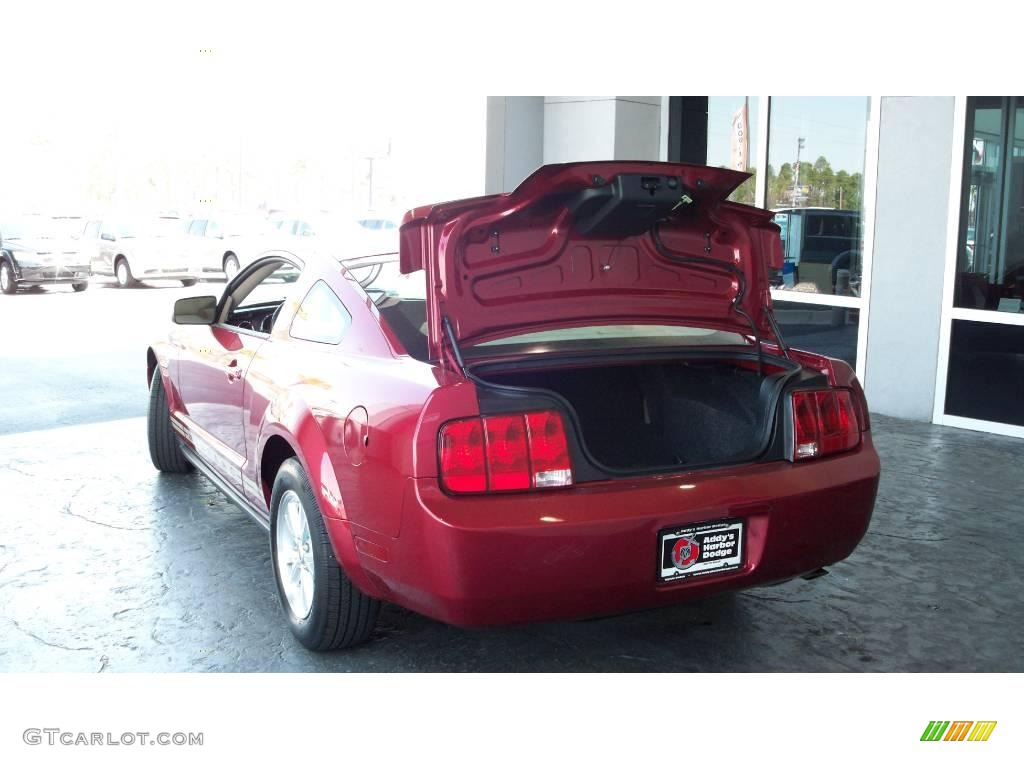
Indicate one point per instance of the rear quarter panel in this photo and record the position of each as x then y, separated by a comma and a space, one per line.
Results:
349, 410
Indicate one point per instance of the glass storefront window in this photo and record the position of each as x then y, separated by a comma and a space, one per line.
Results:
990, 253
732, 140
815, 184
986, 372
820, 328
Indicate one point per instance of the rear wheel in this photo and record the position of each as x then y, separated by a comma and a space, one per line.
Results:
7, 282
230, 266
123, 273
79, 287
324, 608
164, 449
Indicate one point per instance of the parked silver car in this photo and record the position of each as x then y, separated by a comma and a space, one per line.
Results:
134, 248
41, 250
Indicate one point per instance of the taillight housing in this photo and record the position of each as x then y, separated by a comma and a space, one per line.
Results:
506, 452
825, 422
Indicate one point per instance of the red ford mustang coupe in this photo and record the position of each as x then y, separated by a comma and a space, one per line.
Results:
566, 401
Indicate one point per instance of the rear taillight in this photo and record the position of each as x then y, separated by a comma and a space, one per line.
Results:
462, 456
510, 452
824, 422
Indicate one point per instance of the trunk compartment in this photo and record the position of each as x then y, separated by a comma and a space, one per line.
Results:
663, 414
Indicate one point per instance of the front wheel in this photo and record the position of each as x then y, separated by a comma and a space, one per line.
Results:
123, 273
324, 608
7, 282
164, 449
79, 287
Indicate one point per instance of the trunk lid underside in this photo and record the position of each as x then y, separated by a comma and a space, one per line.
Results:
595, 243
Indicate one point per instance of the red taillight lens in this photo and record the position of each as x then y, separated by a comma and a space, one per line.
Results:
507, 457
549, 450
824, 422
462, 456
514, 452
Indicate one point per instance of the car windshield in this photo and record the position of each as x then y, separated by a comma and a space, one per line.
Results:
153, 226
24, 228
242, 224
65, 227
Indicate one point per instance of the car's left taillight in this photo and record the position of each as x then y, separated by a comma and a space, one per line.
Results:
824, 423
506, 452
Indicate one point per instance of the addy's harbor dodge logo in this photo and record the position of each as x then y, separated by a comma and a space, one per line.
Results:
958, 730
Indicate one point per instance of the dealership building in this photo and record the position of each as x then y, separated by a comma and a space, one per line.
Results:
902, 221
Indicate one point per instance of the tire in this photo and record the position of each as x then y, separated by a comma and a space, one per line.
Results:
8, 284
79, 287
339, 615
123, 273
164, 449
230, 266
188, 282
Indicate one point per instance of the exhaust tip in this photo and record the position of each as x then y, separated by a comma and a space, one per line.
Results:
814, 574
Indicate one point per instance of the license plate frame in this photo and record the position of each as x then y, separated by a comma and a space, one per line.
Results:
701, 549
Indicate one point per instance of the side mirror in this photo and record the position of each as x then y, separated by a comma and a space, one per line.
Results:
195, 310
107, 236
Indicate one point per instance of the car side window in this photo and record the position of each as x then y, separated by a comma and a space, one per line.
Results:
254, 302
321, 317
212, 228
270, 288
197, 227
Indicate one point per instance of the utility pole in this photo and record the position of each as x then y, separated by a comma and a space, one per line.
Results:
796, 177
370, 196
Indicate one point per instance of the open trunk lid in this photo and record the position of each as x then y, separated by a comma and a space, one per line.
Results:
595, 243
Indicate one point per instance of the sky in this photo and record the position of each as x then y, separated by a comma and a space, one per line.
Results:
193, 129
834, 127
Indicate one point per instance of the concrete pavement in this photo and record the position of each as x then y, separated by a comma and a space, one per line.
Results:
105, 565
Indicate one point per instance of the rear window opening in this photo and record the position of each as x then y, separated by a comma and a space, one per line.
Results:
605, 337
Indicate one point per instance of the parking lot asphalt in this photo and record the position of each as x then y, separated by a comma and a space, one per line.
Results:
107, 566
75, 358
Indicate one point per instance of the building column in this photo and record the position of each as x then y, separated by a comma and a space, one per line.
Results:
515, 140
908, 260
525, 132
580, 128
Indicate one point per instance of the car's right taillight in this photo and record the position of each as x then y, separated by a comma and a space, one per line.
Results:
824, 423
508, 452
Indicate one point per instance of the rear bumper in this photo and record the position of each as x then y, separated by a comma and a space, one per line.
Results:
592, 550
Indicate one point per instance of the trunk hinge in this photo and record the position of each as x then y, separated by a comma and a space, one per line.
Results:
783, 346
714, 265
449, 332
709, 264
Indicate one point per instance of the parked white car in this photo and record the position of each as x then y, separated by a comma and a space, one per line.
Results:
221, 244
144, 247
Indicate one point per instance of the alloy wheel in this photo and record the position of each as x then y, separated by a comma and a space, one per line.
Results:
122, 273
5, 278
294, 555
